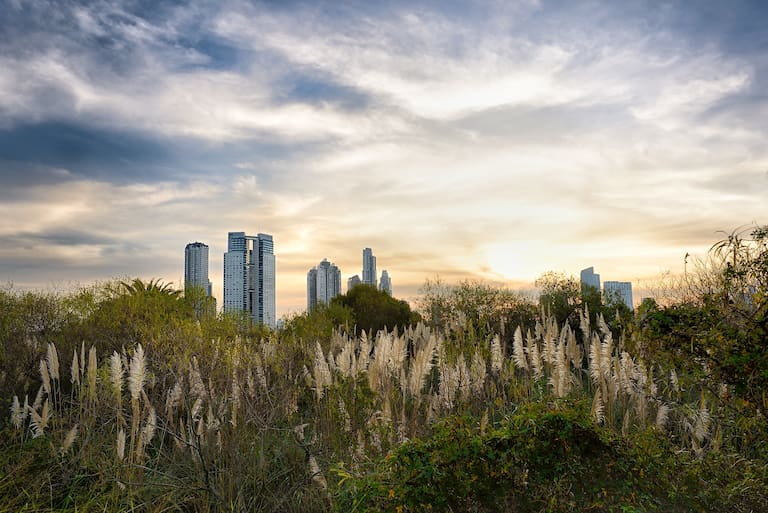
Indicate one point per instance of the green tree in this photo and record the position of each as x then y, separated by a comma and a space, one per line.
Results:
559, 296
374, 310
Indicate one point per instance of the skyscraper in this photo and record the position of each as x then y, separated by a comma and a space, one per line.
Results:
618, 290
353, 282
385, 284
369, 267
249, 276
196, 267
323, 284
590, 279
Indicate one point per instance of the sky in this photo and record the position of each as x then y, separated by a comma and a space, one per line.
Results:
491, 140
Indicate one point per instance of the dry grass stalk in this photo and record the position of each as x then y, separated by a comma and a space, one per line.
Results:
69, 440
137, 373
17, 415
39, 421
497, 358
45, 377
75, 370
518, 350
120, 446
52, 357
92, 373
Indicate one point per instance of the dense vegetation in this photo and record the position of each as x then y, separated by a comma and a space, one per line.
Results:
135, 397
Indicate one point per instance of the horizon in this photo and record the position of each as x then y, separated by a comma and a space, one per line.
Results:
482, 141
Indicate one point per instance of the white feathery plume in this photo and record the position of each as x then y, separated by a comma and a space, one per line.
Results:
421, 366
497, 358
518, 350
39, 422
674, 381
598, 407
82, 359
173, 398
116, 375
137, 373
17, 416
149, 427
75, 370
120, 446
595, 358
52, 356
38, 399
45, 377
584, 321
321, 371
92, 371
345, 360
69, 440
316, 473
477, 373
533, 354
702, 420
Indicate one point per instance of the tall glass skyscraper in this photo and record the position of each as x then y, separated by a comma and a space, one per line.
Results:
369, 267
590, 279
196, 267
249, 276
385, 284
621, 290
323, 284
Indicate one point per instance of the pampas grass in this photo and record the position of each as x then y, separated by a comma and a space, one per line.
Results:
69, 440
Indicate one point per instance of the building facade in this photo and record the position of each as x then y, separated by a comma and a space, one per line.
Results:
385, 284
196, 267
323, 284
590, 279
369, 267
249, 276
621, 290
353, 282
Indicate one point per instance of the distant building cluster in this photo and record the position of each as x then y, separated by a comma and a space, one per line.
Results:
249, 276
323, 284
318, 290
621, 290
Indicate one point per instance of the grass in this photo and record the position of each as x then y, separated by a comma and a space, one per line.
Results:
396, 421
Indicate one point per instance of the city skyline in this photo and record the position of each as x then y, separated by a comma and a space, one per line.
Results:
482, 140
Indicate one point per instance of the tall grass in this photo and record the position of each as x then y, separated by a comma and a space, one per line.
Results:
242, 425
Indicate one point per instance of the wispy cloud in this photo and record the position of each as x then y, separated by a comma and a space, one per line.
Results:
488, 139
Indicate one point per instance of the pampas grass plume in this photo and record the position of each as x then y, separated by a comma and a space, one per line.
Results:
52, 356
69, 439
137, 373
45, 377
17, 416
120, 447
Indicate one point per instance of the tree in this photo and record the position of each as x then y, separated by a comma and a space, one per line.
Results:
560, 295
374, 310
473, 306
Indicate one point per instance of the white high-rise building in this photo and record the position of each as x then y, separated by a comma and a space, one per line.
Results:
196, 267
249, 276
618, 289
590, 279
323, 284
385, 284
369, 267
